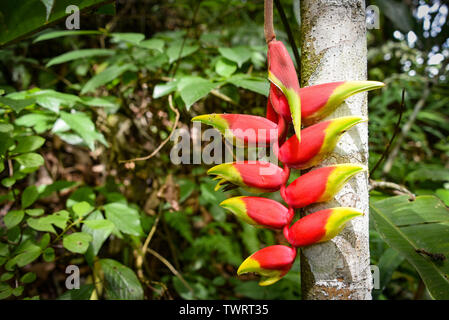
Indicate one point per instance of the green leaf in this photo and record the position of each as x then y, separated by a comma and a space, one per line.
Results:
428, 173
46, 223
13, 218
154, 44
5, 291
17, 291
64, 33
30, 160
163, 89
8, 182
193, 89
40, 225
176, 51
28, 144
421, 224
79, 54
28, 277
34, 212
6, 276
225, 67
237, 54
45, 241
388, 263
16, 104
125, 218
81, 194
82, 125
121, 282
134, 38
99, 228
29, 196
31, 253
443, 194
106, 76
83, 293
48, 255
82, 208
77, 242
31, 15
258, 85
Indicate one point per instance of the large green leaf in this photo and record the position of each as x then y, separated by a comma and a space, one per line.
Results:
422, 224
79, 54
259, 85
104, 77
18, 20
237, 54
82, 125
77, 242
193, 89
121, 282
99, 228
125, 218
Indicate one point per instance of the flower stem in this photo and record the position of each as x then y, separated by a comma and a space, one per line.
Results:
268, 26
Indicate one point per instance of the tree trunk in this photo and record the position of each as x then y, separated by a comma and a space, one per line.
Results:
333, 48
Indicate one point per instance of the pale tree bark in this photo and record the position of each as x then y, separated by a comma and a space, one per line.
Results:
333, 48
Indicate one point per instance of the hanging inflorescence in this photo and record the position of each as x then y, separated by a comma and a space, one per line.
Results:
289, 104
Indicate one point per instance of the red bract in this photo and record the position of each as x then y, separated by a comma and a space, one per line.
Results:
243, 129
272, 263
319, 226
319, 185
317, 142
259, 212
254, 176
320, 100
282, 73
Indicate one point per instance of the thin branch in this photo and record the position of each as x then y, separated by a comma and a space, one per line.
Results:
405, 129
290, 36
170, 102
170, 266
268, 21
223, 97
373, 184
395, 133
150, 235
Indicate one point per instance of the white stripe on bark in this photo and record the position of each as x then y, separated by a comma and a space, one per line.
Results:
333, 47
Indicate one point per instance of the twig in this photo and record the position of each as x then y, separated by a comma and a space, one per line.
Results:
150, 235
395, 133
290, 36
391, 185
268, 21
195, 13
405, 129
170, 102
223, 97
172, 269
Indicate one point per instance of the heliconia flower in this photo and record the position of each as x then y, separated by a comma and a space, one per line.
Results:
259, 212
243, 129
320, 100
272, 263
319, 185
271, 113
282, 73
317, 142
279, 102
253, 176
319, 226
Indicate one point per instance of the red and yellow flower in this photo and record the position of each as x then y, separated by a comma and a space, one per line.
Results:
272, 263
319, 226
